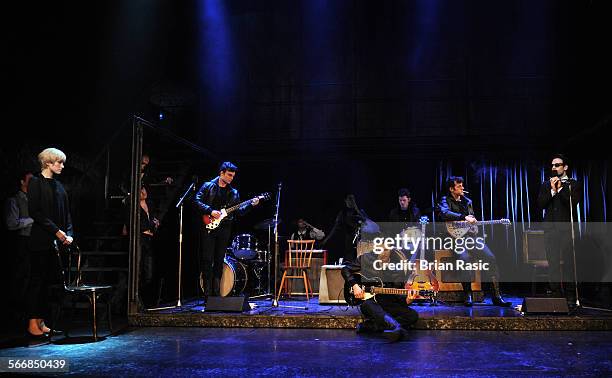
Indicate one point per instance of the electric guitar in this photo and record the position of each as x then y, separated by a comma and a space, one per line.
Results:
212, 223
423, 280
458, 229
372, 287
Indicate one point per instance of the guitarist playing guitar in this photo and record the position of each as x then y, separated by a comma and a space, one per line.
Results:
457, 208
387, 311
214, 196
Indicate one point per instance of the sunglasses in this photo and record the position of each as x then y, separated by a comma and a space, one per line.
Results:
556, 165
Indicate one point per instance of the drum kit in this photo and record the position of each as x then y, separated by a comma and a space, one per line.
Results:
247, 264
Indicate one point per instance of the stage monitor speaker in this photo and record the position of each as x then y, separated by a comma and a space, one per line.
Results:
227, 304
533, 305
331, 287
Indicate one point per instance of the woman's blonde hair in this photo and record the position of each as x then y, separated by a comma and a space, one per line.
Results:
50, 155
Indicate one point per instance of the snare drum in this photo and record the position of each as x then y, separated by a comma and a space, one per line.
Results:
234, 278
244, 247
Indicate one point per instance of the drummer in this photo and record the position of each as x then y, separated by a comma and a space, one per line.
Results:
406, 212
305, 231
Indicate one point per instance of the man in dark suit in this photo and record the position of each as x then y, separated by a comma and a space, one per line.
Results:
554, 199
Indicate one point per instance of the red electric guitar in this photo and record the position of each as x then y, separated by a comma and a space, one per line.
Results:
211, 223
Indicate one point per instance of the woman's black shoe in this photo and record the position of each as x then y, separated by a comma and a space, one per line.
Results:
54, 332
41, 337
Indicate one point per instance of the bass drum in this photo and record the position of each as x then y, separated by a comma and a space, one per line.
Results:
234, 278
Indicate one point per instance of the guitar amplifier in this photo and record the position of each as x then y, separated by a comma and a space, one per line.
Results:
534, 250
450, 281
331, 285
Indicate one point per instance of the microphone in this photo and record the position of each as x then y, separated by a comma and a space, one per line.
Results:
465, 192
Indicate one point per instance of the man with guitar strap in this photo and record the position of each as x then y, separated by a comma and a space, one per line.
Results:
456, 207
213, 196
386, 313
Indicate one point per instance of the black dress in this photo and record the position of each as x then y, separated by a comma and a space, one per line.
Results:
48, 206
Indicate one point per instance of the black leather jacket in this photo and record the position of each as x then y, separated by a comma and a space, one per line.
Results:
451, 210
206, 196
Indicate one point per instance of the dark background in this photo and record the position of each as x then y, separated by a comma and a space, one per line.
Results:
328, 97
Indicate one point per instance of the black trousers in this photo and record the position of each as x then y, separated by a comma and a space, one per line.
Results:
214, 246
392, 305
558, 244
486, 255
20, 271
43, 272
147, 271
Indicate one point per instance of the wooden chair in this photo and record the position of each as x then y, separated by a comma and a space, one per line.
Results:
297, 265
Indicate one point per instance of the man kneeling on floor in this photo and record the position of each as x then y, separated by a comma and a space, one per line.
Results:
383, 313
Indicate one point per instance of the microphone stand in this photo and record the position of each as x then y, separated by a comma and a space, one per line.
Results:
276, 253
578, 305
278, 195
180, 204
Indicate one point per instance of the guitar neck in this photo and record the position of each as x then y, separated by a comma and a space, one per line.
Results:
479, 223
236, 207
388, 290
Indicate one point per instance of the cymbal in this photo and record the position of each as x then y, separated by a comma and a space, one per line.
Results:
264, 224
369, 227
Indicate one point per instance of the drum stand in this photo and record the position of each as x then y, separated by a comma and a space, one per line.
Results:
180, 204
268, 264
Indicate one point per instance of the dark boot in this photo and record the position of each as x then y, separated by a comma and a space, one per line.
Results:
216, 287
554, 290
496, 294
367, 326
570, 293
394, 330
467, 294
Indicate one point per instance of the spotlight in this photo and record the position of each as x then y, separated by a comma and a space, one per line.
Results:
161, 116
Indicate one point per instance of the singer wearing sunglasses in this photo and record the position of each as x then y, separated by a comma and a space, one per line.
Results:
554, 199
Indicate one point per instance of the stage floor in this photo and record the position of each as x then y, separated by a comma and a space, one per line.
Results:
482, 316
239, 352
